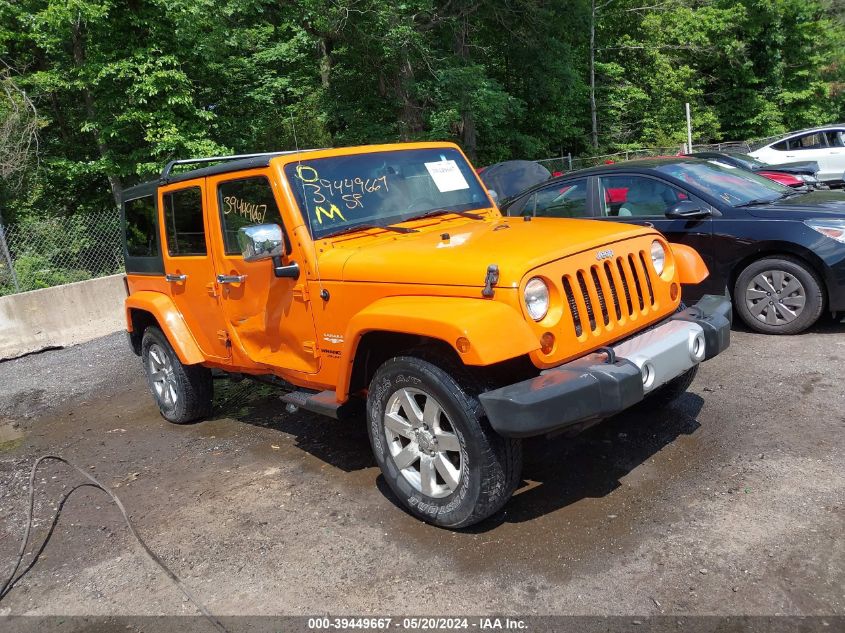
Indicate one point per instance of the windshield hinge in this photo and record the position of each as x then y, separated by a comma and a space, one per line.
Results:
491, 280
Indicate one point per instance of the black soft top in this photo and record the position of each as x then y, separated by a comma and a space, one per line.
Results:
223, 165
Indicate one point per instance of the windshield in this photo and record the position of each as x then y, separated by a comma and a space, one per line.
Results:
337, 194
736, 187
750, 160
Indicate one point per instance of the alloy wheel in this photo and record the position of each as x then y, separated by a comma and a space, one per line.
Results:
422, 442
161, 375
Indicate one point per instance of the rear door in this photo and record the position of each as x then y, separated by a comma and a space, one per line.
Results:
188, 265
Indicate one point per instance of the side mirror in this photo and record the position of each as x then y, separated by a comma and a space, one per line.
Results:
494, 196
261, 241
687, 210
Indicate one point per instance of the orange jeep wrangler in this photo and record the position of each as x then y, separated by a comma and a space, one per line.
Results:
386, 276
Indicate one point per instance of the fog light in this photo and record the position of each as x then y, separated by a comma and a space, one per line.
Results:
462, 344
697, 347
673, 291
547, 343
648, 375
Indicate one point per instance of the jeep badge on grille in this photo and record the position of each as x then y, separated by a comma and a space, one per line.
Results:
605, 254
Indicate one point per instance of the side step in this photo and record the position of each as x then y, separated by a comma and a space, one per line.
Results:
322, 402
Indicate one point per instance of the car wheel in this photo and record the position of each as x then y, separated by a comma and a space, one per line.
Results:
183, 393
672, 390
778, 295
436, 450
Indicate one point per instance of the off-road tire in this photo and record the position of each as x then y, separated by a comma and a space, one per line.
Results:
672, 390
192, 384
491, 465
809, 280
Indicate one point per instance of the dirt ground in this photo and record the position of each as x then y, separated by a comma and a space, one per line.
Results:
731, 501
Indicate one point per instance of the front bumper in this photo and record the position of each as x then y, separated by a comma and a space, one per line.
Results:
602, 384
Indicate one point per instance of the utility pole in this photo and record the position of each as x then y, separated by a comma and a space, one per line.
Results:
689, 131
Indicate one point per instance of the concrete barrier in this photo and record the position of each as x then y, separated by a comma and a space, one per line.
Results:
61, 316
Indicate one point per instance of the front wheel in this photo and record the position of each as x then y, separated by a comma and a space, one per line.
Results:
778, 295
436, 450
183, 393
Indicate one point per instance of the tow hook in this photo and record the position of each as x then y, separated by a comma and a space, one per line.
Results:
491, 280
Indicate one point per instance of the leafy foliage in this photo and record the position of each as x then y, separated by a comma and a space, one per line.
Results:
122, 87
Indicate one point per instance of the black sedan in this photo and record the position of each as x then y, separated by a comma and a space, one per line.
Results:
780, 253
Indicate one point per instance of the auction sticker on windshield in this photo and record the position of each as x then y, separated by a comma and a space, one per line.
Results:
447, 175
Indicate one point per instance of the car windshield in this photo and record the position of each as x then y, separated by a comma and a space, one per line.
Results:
735, 186
339, 193
750, 161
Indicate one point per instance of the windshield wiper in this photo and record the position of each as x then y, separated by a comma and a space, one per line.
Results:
362, 227
757, 201
427, 214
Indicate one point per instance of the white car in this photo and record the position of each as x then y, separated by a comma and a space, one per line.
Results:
825, 145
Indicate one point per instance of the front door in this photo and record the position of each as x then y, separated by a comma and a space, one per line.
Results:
637, 199
268, 318
189, 267
813, 146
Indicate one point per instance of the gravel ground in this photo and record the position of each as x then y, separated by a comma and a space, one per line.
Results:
728, 502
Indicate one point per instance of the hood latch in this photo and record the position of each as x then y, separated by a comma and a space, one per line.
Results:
491, 280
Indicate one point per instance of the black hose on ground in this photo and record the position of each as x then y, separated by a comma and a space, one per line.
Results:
14, 577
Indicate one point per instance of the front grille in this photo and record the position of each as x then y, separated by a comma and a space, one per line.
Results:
612, 291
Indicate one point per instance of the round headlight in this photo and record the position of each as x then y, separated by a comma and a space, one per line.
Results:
536, 298
658, 257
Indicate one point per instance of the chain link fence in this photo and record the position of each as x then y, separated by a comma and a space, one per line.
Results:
563, 164
567, 163
45, 252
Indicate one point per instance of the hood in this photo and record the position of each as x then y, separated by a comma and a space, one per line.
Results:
808, 205
808, 167
514, 245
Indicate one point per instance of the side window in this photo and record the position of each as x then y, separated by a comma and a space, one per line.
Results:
244, 202
561, 200
815, 140
637, 196
781, 147
835, 138
141, 227
183, 222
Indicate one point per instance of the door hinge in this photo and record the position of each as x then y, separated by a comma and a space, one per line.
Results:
223, 337
212, 289
311, 348
300, 291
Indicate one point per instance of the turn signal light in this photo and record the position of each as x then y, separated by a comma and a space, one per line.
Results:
673, 291
462, 344
547, 343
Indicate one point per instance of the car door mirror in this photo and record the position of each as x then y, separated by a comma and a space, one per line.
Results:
261, 241
687, 210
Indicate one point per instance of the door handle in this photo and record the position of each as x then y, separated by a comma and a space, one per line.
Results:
175, 278
231, 279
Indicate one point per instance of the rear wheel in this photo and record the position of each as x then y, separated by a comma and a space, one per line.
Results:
778, 295
436, 450
183, 393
